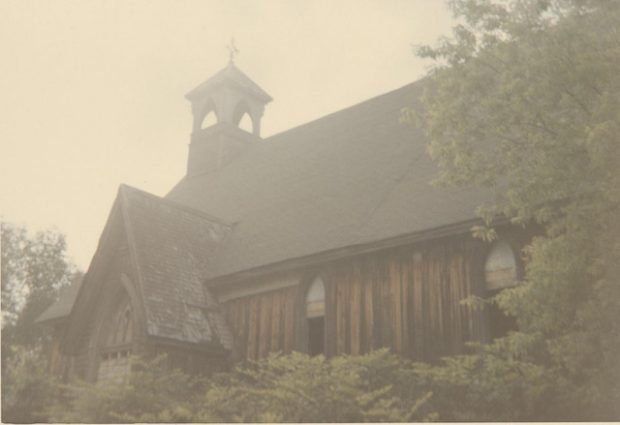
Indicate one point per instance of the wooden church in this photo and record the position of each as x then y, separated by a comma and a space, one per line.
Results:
327, 238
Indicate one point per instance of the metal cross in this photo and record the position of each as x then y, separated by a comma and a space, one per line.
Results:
232, 50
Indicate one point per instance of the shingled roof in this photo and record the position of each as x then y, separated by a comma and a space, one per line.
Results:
174, 247
350, 178
171, 246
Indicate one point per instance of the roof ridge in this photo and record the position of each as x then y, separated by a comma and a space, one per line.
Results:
348, 108
310, 123
175, 204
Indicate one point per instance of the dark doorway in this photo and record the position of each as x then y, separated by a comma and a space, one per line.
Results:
500, 323
316, 336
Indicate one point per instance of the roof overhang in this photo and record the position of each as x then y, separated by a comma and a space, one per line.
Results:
347, 251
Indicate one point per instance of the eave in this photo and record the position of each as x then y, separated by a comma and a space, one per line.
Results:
347, 252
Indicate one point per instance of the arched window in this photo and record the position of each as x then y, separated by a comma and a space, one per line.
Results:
500, 268
116, 343
315, 316
500, 271
121, 330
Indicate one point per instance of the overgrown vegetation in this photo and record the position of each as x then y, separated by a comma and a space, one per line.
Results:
525, 99
293, 388
27, 388
34, 269
375, 387
150, 393
299, 388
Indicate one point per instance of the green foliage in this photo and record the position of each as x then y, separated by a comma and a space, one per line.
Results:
299, 388
27, 389
525, 100
498, 384
33, 270
492, 385
295, 388
151, 392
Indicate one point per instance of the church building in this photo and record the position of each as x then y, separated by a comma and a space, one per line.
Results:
327, 238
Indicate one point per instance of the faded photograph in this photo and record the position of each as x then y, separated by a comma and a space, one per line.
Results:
310, 211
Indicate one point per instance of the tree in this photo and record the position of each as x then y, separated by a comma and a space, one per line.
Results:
27, 388
33, 270
524, 99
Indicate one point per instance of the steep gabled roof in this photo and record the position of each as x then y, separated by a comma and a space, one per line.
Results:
353, 177
173, 247
167, 245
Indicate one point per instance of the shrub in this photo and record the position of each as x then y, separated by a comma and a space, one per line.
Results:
151, 392
299, 388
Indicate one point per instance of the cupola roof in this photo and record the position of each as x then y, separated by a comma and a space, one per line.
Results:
233, 77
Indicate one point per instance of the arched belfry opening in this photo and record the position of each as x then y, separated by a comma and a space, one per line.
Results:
208, 117
246, 123
227, 111
242, 117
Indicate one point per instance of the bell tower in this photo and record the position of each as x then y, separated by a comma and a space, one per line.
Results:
219, 105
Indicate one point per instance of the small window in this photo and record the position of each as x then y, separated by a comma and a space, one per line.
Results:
500, 271
315, 315
500, 268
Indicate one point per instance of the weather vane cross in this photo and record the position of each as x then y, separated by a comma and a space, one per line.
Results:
232, 50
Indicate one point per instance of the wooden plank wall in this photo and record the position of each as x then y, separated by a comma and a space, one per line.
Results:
407, 299
263, 323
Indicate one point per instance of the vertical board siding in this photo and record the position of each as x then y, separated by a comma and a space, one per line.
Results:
407, 299
263, 323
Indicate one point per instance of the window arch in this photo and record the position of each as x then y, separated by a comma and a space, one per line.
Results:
116, 341
500, 267
120, 332
500, 272
315, 316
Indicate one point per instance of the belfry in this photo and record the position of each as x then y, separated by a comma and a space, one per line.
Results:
218, 106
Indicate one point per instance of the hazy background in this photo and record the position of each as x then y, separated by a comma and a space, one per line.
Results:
91, 93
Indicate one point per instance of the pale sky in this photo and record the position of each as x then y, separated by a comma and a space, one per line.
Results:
92, 92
